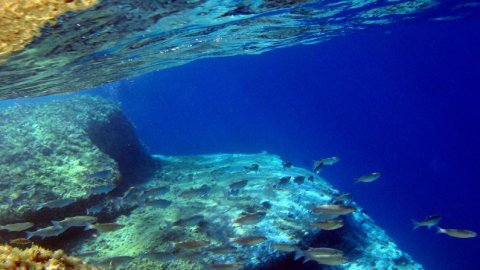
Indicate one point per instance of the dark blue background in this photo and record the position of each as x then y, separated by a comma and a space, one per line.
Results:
402, 100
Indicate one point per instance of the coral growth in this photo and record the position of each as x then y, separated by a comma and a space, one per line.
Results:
36, 257
22, 20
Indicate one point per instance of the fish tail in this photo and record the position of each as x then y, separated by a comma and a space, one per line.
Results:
298, 254
29, 235
89, 227
56, 224
415, 224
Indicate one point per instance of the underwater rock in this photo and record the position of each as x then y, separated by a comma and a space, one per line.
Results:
61, 157
36, 257
152, 238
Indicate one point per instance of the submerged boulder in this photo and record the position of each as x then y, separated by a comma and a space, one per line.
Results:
223, 215
57, 155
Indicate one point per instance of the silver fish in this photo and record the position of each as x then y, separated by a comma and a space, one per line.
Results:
429, 221
46, 232
190, 221
77, 221
457, 233
101, 189
95, 209
17, 227
196, 192
156, 191
238, 184
252, 168
330, 161
158, 203
59, 203
368, 178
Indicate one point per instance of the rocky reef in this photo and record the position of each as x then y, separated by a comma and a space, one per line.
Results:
35, 257
203, 187
57, 157
74, 176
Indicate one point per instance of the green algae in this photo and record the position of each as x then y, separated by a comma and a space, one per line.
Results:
49, 151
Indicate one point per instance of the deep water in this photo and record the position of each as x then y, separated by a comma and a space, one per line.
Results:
403, 100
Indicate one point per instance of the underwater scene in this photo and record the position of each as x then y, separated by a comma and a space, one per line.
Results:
254, 135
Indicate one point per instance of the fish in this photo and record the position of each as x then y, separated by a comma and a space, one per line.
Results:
329, 161
130, 194
343, 197
192, 244
225, 266
284, 180
104, 227
17, 227
103, 174
226, 249
429, 222
46, 232
190, 221
158, 203
368, 178
326, 256
287, 165
299, 179
86, 253
457, 233
201, 191
20, 241
250, 218
322, 251
95, 209
158, 256
237, 185
77, 221
284, 247
317, 166
249, 240
331, 260
112, 261
156, 191
329, 225
101, 189
252, 168
58, 203
333, 209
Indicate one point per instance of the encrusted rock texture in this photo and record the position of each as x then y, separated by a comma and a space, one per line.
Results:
63, 150
151, 240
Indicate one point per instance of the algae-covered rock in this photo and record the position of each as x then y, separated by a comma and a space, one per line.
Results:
63, 150
219, 200
36, 257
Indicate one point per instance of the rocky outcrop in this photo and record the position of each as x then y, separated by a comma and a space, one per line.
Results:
154, 237
68, 152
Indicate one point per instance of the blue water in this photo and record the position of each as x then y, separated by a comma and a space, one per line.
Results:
403, 100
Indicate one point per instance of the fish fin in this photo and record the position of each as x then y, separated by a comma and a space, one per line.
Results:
415, 224
89, 227
29, 235
56, 224
298, 254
